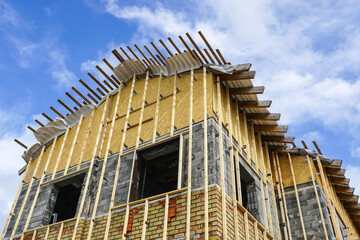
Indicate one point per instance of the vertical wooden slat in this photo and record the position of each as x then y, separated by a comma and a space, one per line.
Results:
229, 124
60, 231
173, 108
263, 182
317, 197
47, 233
73, 145
237, 164
330, 205
166, 214
297, 196
278, 168
248, 148
181, 154
246, 223
256, 231
146, 210
206, 171
126, 220
157, 108
88, 132
108, 144
221, 153
108, 221
188, 203
60, 152
281, 202
19, 214
89, 173
267, 155
34, 235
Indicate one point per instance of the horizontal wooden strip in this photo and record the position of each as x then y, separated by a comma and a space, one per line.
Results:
271, 128
340, 181
247, 90
255, 104
280, 139
335, 171
346, 189
348, 198
263, 116
238, 76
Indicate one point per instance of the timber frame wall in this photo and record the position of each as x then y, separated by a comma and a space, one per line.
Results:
149, 110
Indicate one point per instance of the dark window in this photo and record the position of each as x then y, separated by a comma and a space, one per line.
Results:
68, 193
156, 170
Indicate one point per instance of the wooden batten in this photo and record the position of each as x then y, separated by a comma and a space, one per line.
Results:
197, 48
210, 48
173, 106
158, 51
255, 104
144, 56
65, 106
57, 112
246, 75
90, 89
206, 170
81, 95
221, 56
263, 116
247, 90
105, 75
280, 139
166, 48
271, 128
73, 99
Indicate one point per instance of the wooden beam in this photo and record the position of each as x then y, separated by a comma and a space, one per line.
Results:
206, 171
173, 106
157, 108
72, 98
90, 89
271, 128
209, 56
166, 48
210, 48
335, 180
335, 171
20, 143
348, 198
246, 75
105, 75
65, 106
166, 214
147, 60
247, 90
57, 112
197, 48
344, 190
263, 116
147, 49
317, 147
280, 139
220, 55
73, 145
98, 83
255, 104
47, 117
118, 56
80, 94
92, 98
160, 53
108, 85
108, 64
189, 49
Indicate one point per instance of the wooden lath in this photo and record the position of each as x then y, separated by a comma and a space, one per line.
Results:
255, 104
263, 116
247, 90
246, 75
271, 128
280, 139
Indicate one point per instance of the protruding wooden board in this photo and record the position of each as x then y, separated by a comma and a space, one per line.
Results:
279, 139
271, 128
263, 116
255, 104
247, 90
238, 76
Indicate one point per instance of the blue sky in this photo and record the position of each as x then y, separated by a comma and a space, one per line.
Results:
306, 54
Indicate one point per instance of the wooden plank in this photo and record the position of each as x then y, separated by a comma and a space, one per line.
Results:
221, 153
98, 83
174, 45
208, 55
283, 193
263, 116
19, 214
47, 117
81, 95
126, 220
116, 177
92, 98
73, 144
232, 165
246, 223
20, 143
181, 154
317, 197
101, 179
65, 106
256, 231
162, 43
147, 49
221, 56
246, 75
189, 50
56, 111
60, 231
34, 235
210, 48
335, 171
280, 139
147, 60
206, 170
188, 201
238, 177
255, 104
105, 75
157, 108
317, 147
90, 89
297, 196
267, 162
342, 181
173, 106
73, 99
108, 85
281, 203
60, 152
146, 210
247, 90
88, 176
160, 53
346, 189
87, 134
271, 128
166, 214
38, 122
197, 48
348, 198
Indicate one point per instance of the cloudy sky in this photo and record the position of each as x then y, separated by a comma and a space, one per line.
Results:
306, 54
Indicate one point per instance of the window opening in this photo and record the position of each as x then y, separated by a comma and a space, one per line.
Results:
157, 169
68, 193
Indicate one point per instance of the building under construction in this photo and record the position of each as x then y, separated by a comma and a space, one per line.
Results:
174, 144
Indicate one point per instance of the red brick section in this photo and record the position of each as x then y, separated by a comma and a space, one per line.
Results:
156, 212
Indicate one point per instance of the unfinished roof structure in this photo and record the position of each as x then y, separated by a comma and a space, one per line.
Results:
176, 145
